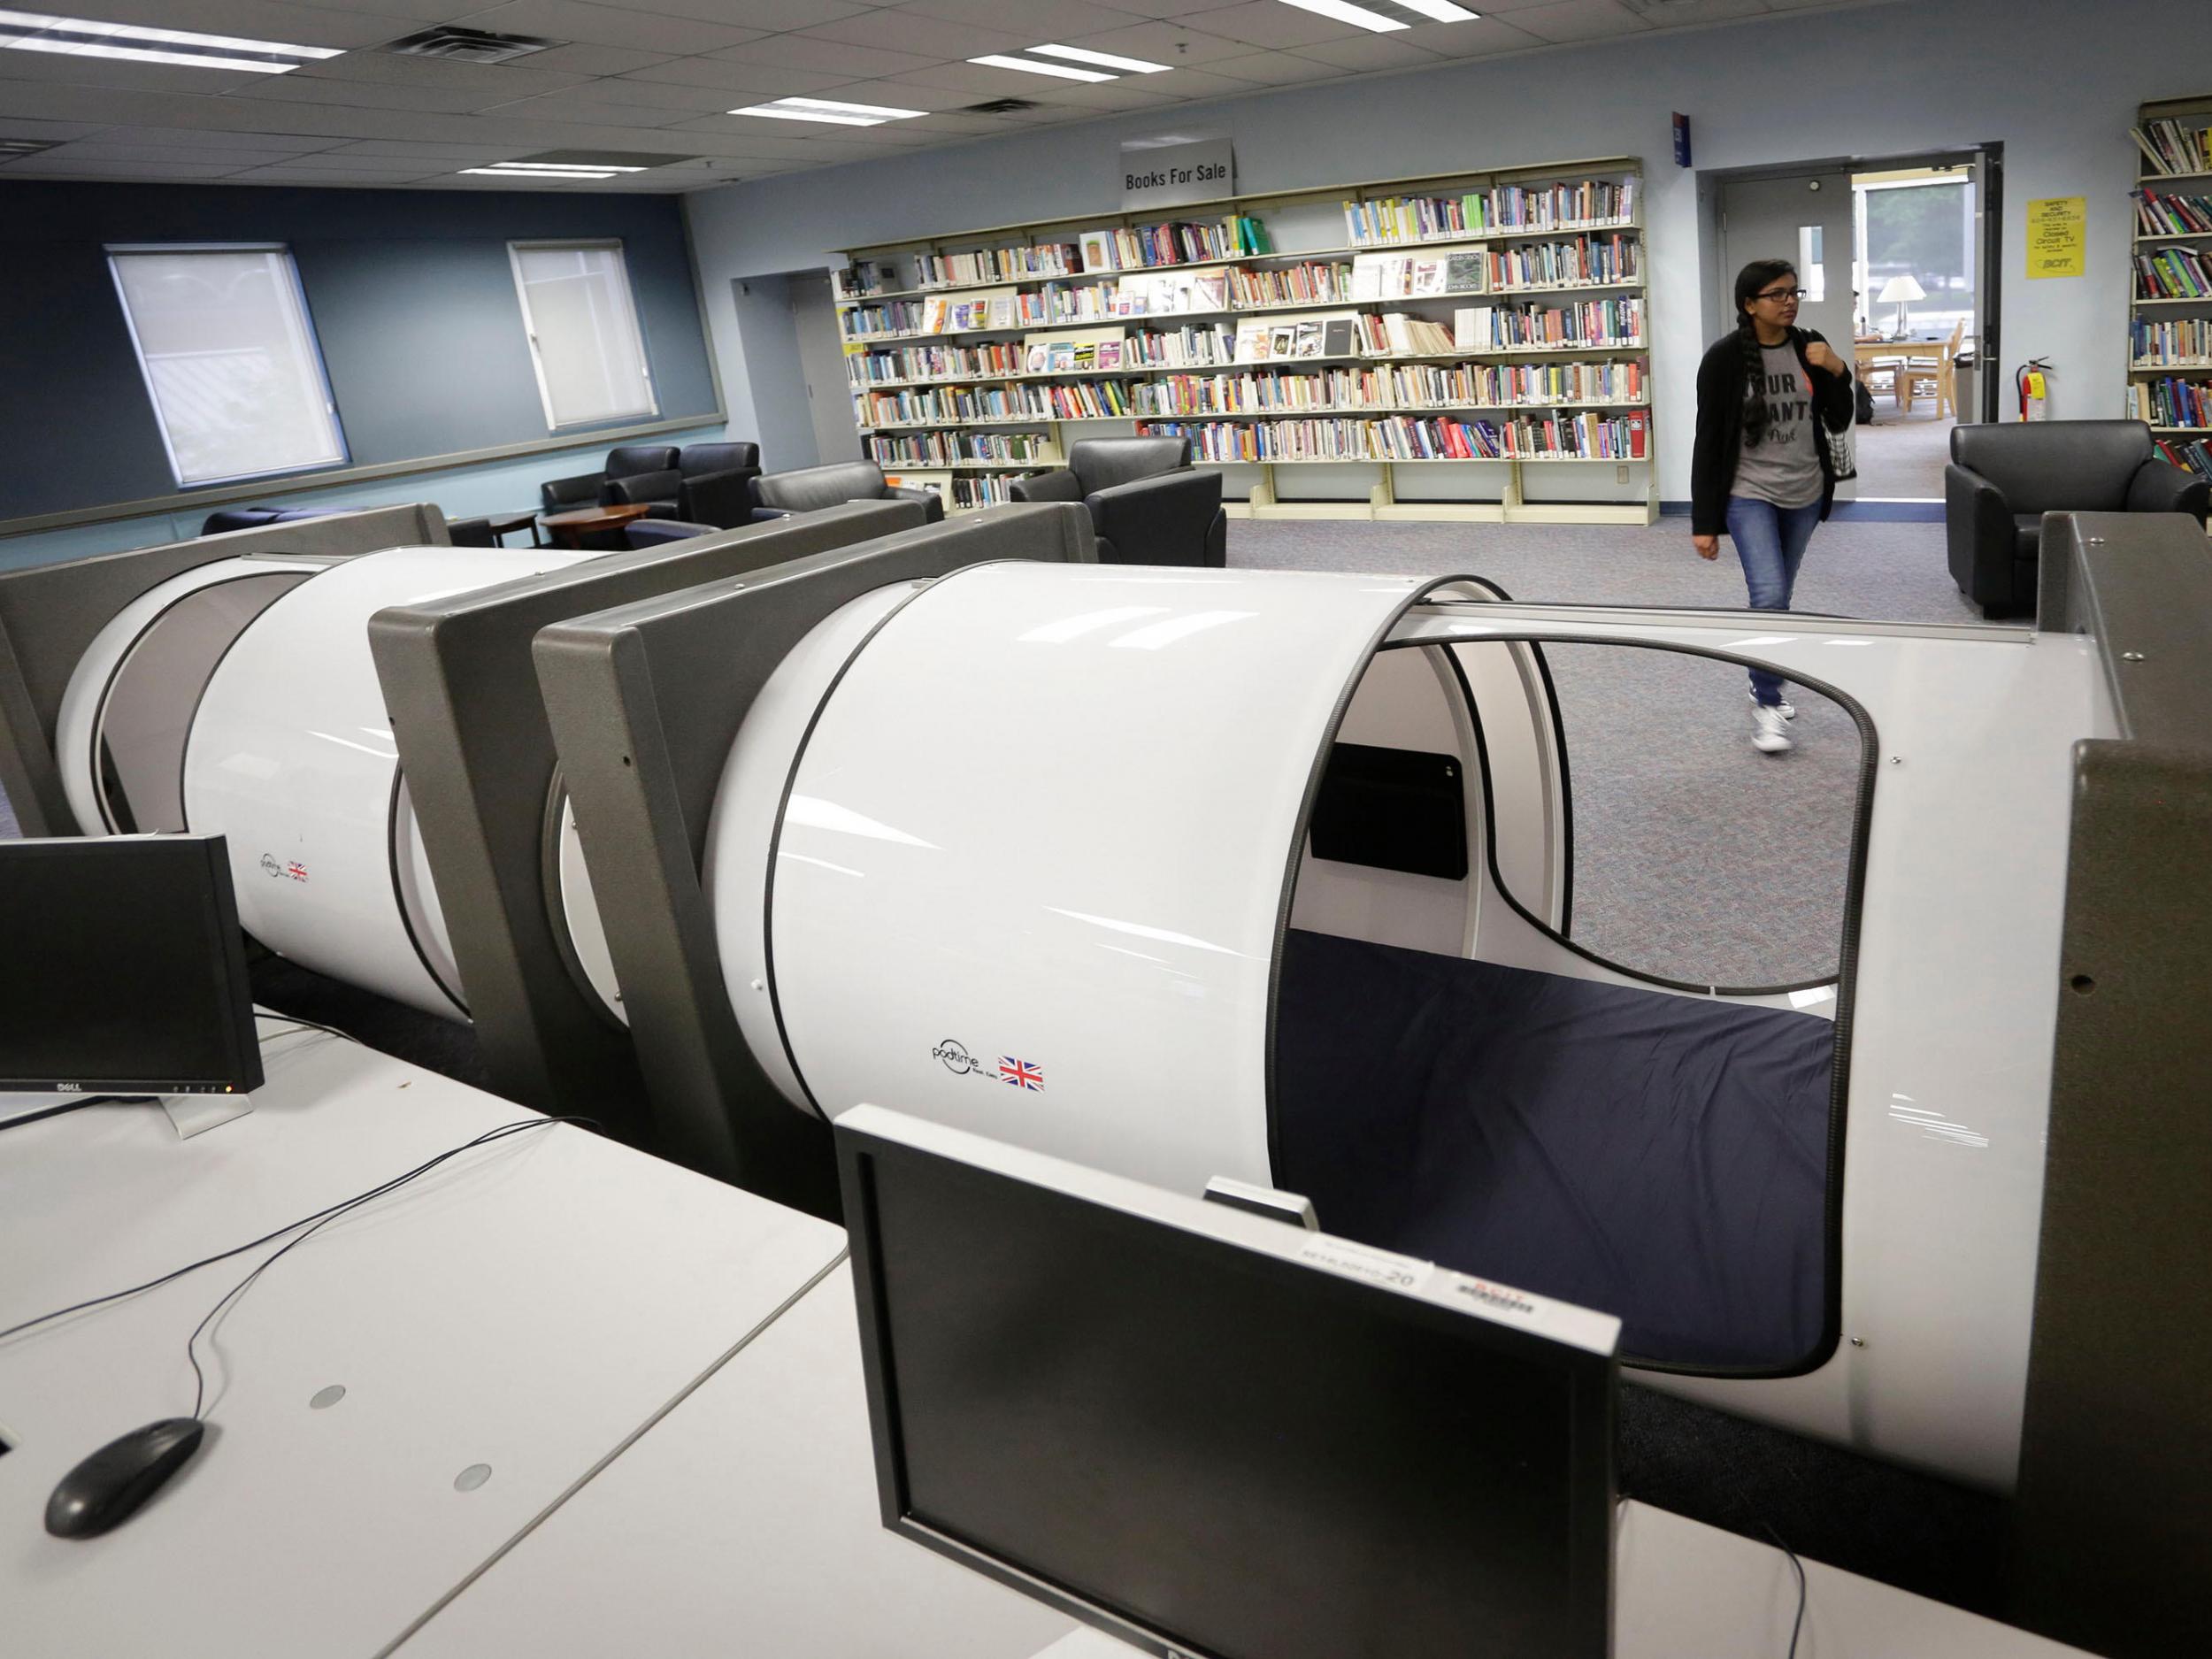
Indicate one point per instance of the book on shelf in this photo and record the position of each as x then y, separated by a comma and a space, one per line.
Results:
2174, 147
2159, 214
1338, 336
1098, 250
1464, 273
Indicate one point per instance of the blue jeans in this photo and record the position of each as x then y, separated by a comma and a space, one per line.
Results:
1770, 541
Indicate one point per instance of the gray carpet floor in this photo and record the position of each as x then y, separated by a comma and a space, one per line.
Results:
1695, 857
1902, 458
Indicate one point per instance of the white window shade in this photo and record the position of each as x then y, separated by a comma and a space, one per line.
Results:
230, 361
584, 332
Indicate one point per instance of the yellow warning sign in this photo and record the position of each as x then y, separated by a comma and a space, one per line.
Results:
2058, 236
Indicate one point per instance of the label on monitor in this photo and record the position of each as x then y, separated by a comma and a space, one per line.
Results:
1376, 1267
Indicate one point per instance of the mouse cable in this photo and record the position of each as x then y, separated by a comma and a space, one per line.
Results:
304, 1024
319, 1216
1799, 1622
316, 1223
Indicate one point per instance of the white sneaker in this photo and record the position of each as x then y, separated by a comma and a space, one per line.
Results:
1789, 709
1767, 735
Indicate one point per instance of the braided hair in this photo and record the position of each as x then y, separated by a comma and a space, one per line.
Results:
1751, 281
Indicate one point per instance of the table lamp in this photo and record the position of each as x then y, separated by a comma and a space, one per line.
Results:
1900, 291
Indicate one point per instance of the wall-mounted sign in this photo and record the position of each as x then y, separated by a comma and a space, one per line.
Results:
1166, 172
2058, 236
1681, 139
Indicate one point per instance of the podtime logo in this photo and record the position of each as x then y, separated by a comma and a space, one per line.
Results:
956, 1059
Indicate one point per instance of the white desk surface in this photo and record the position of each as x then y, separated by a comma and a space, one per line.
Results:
530, 1306
745, 1521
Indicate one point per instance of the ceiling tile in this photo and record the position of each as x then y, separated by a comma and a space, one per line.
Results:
1052, 19
561, 106
1172, 9
1688, 13
58, 69
496, 83
202, 138
371, 94
51, 165
1275, 69
416, 11
662, 95
1579, 20
805, 52
574, 59
759, 14
605, 26
1117, 95
412, 150
350, 161
164, 154
50, 132
1270, 23
901, 95
1162, 42
763, 79
1217, 81
1364, 54
1481, 38
904, 31
985, 81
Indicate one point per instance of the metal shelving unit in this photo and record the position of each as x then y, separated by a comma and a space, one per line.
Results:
1494, 487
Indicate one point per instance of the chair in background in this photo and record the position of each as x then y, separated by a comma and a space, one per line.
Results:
717, 483
225, 519
1147, 504
635, 473
654, 531
1940, 377
2003, 478
811, 488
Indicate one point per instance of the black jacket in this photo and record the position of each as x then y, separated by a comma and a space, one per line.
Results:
1721, 389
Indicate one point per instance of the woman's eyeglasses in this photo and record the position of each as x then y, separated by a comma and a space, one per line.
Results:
1781, 294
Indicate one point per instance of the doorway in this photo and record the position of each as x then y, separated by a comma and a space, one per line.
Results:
794, 366
1892, 255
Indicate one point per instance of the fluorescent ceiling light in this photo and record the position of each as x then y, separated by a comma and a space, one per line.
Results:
82, 37
999, 60
1442, 10
829, 111
535, 173
1080, 55
1344, 11
561, 166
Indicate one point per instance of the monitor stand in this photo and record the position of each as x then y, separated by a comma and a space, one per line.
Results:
195, 1114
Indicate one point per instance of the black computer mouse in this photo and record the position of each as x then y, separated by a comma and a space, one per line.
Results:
106, 1489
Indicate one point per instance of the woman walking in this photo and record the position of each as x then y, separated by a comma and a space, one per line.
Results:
1761, 469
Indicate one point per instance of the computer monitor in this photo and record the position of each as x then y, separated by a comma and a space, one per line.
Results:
1210, 1433
122, 969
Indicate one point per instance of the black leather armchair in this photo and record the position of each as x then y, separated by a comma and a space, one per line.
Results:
1147, 504
631, 469
811, 488
2004, 479
252, 517
716, 485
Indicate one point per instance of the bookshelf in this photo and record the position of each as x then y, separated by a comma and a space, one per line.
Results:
1487, 328
2169, 305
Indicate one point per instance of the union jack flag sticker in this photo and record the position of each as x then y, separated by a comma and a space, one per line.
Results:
1020, 1073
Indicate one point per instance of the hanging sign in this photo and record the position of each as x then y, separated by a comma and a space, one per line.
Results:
2058, 236
1167, 172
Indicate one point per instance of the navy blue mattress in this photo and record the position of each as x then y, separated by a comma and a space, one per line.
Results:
1661, 1157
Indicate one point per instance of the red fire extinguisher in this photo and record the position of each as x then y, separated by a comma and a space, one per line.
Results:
2032, 380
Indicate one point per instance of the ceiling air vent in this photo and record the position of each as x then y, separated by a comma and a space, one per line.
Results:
471, 46
999, 106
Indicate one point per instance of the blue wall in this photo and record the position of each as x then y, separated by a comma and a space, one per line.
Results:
411, 299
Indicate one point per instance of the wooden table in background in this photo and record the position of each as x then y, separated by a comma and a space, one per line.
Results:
1900, 352
570, 529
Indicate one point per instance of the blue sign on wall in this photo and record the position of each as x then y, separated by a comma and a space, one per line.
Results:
1681, 140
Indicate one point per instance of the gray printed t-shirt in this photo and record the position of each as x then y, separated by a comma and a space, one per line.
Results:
1784, 467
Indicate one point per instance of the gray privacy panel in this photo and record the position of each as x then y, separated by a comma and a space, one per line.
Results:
645, 703
2113, 1530
479, 758
50, 613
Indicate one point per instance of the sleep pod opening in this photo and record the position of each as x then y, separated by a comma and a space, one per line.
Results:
1280, 876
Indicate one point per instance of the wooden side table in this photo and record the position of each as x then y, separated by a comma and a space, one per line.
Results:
570, 529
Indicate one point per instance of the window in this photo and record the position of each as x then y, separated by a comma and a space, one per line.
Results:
583, 330
230, 360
